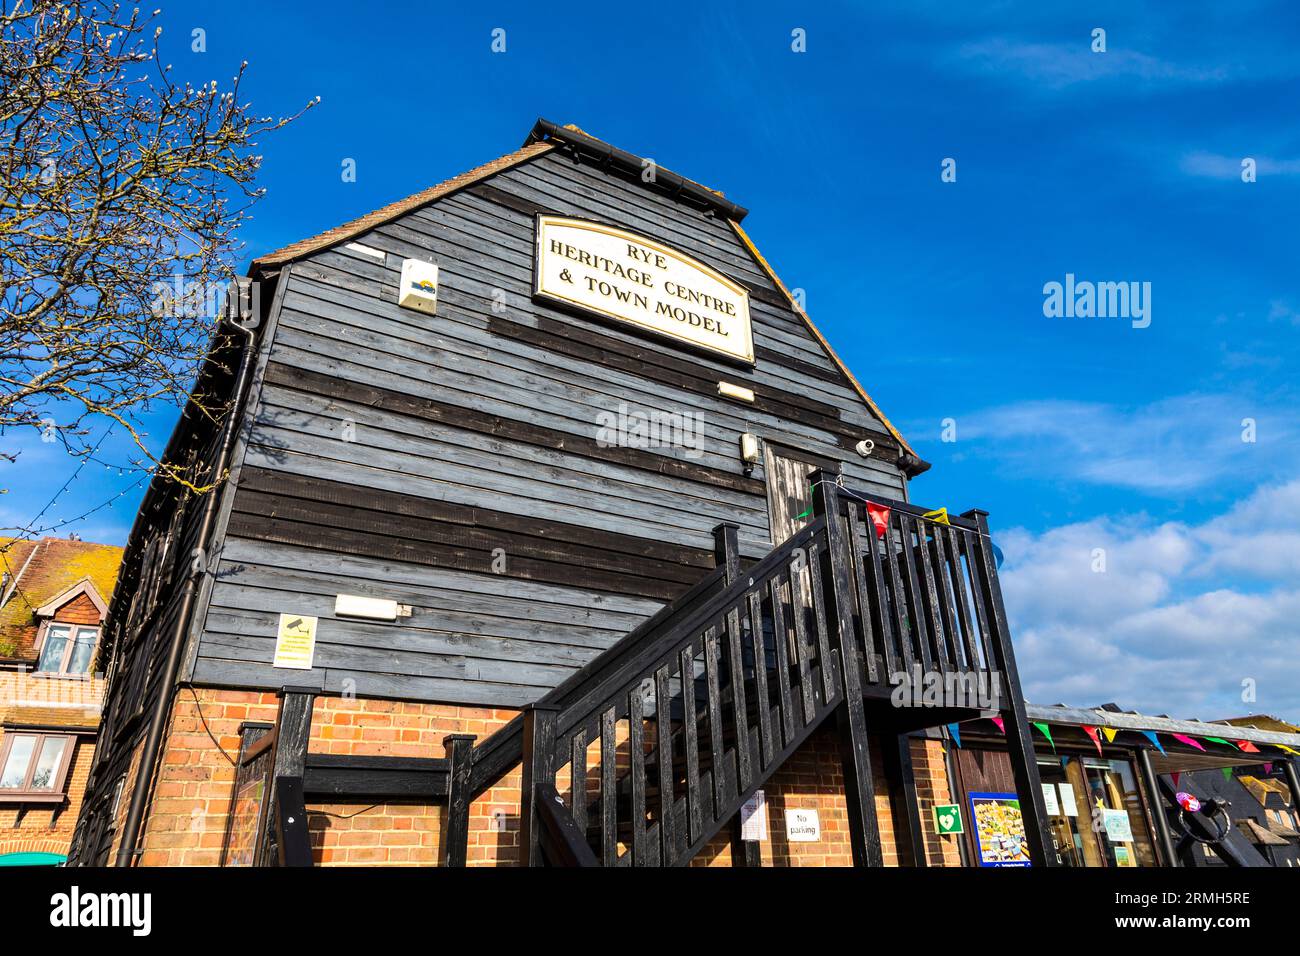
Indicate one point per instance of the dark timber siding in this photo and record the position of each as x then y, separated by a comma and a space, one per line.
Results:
395, 454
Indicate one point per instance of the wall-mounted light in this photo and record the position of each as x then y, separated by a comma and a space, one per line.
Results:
749, 452
738, 392
374, 609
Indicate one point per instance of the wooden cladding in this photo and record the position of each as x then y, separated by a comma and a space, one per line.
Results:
348, 519
471, 419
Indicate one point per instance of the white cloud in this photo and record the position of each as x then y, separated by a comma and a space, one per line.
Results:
1170, 447
1182, 615
1060, 65
1218, 166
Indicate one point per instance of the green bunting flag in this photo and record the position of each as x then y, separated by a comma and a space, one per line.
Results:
1046, 731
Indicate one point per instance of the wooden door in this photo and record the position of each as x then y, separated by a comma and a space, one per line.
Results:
789, 495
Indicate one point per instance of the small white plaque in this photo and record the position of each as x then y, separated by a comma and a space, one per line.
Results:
753, 817
802, 826
295, 644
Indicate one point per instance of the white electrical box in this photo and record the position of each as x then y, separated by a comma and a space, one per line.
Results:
419, 288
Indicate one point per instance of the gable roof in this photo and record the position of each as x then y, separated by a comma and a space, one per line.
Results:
544, 137
41, 574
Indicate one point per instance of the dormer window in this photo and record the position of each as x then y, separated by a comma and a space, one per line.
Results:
67, 650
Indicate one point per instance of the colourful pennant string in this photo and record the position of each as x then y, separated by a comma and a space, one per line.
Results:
956, 734
1000, 725
1190, 741
1155, 741
879, 516
1110, 733
1046, 731
1096, 740
1247, 747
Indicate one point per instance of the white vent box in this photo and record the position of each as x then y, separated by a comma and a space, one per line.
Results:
419, 288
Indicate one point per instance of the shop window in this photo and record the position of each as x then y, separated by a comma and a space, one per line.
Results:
34, 765
67, 650
1096, 813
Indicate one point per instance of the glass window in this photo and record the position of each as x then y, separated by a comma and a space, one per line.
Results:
83, 650
54, 649
14, 774
33, 762
67, 649
46, 774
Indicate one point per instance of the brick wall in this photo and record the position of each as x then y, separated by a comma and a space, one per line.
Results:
192, 798
28, 700
186, 824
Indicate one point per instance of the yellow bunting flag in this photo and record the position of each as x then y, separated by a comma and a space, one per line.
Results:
938, 517
1110, 733
1287, 749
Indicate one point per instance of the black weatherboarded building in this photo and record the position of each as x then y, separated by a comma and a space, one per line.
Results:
553, 437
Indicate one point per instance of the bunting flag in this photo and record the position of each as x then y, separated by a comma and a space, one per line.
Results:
1046, 731
939, 516
1155, 741
1110, 733
1287, 749
997, 555
1000, 725
1092, 732
1220, 740
1247, 747
956, 734
1174, 777
879, 516
1268, 768
1190, 741
1227, 773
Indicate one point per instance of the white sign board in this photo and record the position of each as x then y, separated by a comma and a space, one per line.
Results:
295, 644
1067, 800
623, 276
802, 826
753, 817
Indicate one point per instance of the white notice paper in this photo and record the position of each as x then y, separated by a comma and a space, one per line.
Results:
753, 817
1049, 799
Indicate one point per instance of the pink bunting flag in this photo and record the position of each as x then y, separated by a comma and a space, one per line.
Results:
1001, 726
1092, 732
1268, 768
1183, 738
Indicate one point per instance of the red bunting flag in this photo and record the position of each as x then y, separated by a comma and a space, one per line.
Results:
1092, 732
1247, 747
1174, 777
879, 516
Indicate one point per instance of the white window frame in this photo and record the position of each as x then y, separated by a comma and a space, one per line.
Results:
75, 631
52, 794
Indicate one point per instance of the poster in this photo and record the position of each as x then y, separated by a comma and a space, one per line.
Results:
1049, 800
999, 829
1123, 856
1067, 800
753, 817
1118, 829
295, 644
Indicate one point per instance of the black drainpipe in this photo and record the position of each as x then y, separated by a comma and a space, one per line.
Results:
158, 720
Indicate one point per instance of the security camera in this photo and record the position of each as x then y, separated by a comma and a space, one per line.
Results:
866, 447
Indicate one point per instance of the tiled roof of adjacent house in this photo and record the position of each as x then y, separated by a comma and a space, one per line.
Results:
39, 571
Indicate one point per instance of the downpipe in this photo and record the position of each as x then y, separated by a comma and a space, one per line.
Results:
158, 720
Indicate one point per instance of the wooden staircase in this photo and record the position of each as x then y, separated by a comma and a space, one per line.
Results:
644, 756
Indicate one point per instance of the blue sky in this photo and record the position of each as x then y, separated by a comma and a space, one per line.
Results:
1076, 434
